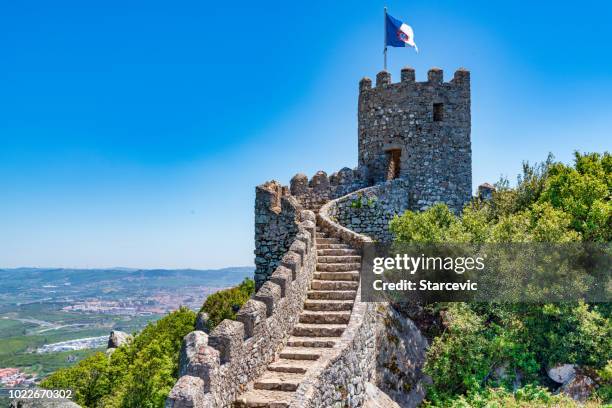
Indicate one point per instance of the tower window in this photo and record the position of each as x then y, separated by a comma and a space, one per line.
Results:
393, 169
438, 112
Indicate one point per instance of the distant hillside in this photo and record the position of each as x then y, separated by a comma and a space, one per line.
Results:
18, 279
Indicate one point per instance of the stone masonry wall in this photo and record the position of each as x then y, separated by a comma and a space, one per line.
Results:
214, 368
339, 379
434, 148
369, 211
321, 188
276, 224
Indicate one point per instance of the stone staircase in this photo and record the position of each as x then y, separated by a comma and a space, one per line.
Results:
325, 316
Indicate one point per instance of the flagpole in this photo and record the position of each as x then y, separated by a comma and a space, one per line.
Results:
385, 45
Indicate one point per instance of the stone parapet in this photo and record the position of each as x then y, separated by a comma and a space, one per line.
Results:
339, 378
321, 188
368, 211
215, 368
276, 226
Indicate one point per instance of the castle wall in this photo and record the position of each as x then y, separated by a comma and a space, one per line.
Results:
339, 378
369, 211
215, 368
276, 224
435, 155
321, 188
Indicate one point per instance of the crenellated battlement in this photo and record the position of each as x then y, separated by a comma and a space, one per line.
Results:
420, 132
435, 77
321, 188
215, 367
414, 150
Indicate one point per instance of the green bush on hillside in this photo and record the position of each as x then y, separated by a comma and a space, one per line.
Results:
552, 202
137, 375
142, 373
225, 303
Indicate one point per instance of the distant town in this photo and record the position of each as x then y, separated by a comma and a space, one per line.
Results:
52, 318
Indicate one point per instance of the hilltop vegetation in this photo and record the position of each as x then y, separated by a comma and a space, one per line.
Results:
142, 373
225, 303
139, 374
552, 202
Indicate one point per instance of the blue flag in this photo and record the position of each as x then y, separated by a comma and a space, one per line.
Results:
398, 33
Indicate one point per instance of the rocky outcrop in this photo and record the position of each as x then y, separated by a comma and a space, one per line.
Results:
401, 356
562, 373
375, 398
579, 387
118, 338
575, 384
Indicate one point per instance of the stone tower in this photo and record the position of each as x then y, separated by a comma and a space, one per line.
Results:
419, 132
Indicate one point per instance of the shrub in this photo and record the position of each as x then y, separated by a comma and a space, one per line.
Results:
225, 303
552, 202
137, 375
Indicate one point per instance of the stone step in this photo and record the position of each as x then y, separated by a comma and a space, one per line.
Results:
325, 317
290, 366
301, 353
295, 341
344, 276
332, 246
321, 234
328, 240
278, 381
339, 259
338, 267
333, 285
337, 252
332, 294
318, 330
264, 399
328, 305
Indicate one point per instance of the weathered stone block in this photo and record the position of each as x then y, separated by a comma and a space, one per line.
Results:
198, 359
252, 314
300, 248
202, 322
293, 262
299, 184
408, 74
365, 84
227, 338
307, 215
304, 236
320, 182
283, 278
383, 78
270, 294
309, 226
188, 392
435, 75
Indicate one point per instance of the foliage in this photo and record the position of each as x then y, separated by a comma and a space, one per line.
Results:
362, 201
531, 396
139, 374
225, 303
552, 202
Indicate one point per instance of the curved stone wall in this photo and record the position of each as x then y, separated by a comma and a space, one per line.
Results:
369, 210
214, 368
340, 378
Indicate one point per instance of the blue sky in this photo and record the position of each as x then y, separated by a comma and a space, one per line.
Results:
133, 133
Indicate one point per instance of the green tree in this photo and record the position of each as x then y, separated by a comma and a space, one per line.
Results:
225, 303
